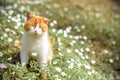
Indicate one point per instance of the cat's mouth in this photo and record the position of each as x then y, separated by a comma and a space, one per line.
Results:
35, 34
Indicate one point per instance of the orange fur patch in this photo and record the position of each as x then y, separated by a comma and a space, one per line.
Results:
34, 20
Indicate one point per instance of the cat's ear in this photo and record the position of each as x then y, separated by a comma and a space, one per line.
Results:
29, 15
46, 20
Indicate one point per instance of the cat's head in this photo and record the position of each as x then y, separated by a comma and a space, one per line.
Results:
36, 25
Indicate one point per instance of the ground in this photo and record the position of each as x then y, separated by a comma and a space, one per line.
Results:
84, 33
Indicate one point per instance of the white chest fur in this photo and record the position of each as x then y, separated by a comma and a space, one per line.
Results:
34, 46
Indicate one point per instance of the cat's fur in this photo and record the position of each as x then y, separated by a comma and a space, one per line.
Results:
36, 43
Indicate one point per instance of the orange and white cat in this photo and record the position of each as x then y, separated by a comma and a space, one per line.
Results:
35, 41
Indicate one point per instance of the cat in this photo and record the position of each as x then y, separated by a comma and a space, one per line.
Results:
36, 42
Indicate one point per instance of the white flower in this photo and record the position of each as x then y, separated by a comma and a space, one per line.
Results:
7, 29
1, 38
54, 62
82, 42
86, 57
71, 36
56, 5
2, 65
77, 50
63, 74
71, 65
54, 30
93, 71
111, 60
13, 32
9, 59
76, 37
80, 37
19, 23
89, 73
82, 57
97, 15
76, 27
118, 77
48, 6
13, 19
10, 12
58, 69
5, 35
72, 60
16, 27
78, 30
3, 11
106, 51
60, 31
68, 61
80, 54
57, 79
65, 34
77, 16
73, 41
87, 67
83, 26
85, 37
117, 58
113, 42
22, 32
15, 5
60, 54
1, 54
9, 7
56, 75
60, 43
117, 16
79, 64
68, 29
10, 39
93, 52
51, 24
65, 9
55, 22
68, 51
87, 49
59, 40
93, 61
22, 8
82, 50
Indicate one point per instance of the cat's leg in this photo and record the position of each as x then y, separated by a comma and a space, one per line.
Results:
49, 57
42, 60
24, 58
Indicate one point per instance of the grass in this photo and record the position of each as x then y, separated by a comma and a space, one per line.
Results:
85, 37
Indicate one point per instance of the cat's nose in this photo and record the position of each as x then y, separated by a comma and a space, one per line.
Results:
35, 32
